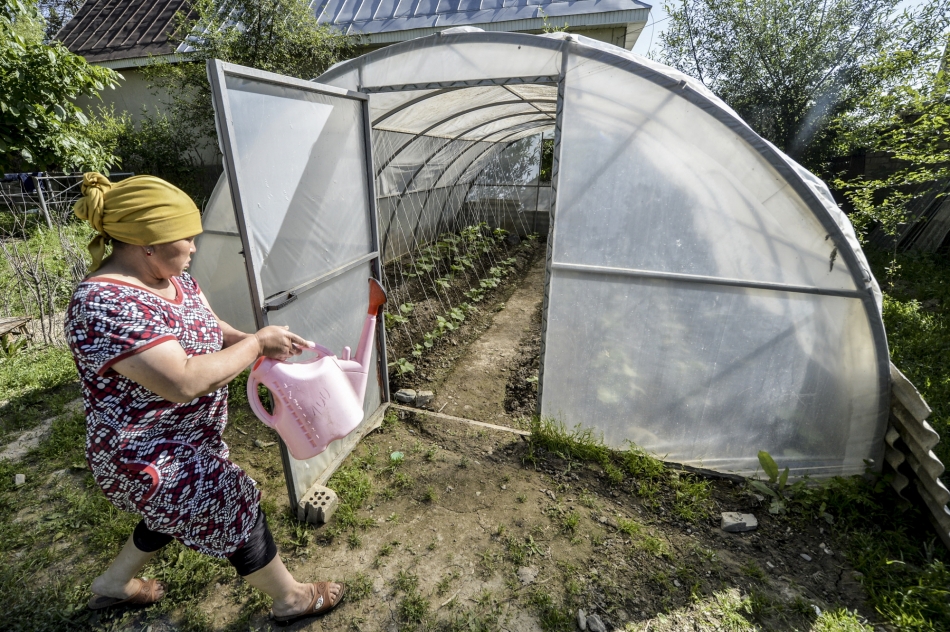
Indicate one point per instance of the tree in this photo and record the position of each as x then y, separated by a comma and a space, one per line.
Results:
281, 36
791, 68
57, 13
911, 123
40, 126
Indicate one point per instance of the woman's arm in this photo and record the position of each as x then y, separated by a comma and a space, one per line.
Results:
167, 371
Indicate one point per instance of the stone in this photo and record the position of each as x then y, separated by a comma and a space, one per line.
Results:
805, 556
423, 397
594, 624
19, 479
527, 574
405, 395
582, 620
734, 522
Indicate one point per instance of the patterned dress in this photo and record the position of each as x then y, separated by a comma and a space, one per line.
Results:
162, 460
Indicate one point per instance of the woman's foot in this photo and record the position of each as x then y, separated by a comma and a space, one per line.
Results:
310, 600
136, 592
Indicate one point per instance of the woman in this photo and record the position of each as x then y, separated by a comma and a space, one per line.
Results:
154, 362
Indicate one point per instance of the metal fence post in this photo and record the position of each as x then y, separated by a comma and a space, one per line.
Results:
43, 209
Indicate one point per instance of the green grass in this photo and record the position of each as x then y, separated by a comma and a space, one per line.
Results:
905, 568
917, 319
35, 384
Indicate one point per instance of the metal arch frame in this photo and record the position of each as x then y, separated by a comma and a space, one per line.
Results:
429, 191
402, 195
704, 101
452, 86
552, 224
455, 115
472, 83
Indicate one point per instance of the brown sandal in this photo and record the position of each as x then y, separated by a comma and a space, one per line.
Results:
320, 604
147, 594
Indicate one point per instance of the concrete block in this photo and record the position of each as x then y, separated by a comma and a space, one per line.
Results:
734, 522
317, 505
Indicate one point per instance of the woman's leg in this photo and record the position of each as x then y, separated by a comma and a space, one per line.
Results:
118, 580
289, 595
257, 561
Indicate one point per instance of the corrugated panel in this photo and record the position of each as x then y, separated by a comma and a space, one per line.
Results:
909, 452
119, 29
382, 21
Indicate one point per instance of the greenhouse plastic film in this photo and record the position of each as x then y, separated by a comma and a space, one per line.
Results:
307, 211
708, 376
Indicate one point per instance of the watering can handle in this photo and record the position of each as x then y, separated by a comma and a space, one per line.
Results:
254, 399
319, 349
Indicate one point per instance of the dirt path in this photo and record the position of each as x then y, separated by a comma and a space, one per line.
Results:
475, 389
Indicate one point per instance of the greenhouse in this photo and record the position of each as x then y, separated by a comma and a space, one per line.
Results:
704, 296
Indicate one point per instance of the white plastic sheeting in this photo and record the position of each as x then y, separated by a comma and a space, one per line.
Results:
705, 297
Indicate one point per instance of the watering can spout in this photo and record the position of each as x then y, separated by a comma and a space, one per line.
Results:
377, 298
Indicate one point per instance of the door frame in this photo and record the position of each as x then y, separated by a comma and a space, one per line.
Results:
217, 73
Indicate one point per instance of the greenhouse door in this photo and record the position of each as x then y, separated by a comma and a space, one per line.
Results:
298, 162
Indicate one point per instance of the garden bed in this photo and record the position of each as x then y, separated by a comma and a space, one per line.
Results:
442, 297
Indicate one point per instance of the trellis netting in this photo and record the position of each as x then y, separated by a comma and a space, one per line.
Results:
704, 298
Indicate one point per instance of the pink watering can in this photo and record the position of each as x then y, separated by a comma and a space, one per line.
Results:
318, 401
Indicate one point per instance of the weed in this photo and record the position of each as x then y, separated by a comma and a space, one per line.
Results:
691, 497
446, 582
551, 616
358, 587
840, 621
401, 480
521, 498
652, 545
430, 495
413, 609
569, 522
353, 540
463, 462
390, 420
752, 570
406, 582
630, 527
430, 454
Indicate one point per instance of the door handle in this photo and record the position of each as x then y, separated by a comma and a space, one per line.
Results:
280, 301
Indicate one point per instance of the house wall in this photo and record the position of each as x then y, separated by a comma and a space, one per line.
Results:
133, 95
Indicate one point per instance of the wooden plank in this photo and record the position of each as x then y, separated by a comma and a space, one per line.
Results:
471, 422
8, 324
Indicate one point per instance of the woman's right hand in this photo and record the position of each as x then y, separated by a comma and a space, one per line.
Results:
279, 343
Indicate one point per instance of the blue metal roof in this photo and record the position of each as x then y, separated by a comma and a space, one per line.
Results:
379, 18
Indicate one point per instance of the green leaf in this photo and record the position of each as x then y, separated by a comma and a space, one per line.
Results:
60, 112
27, 156
762, 487
783, 480
768, 465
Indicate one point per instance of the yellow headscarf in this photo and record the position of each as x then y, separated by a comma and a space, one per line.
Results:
141, 210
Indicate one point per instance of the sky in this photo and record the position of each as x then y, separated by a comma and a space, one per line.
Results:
649, 39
